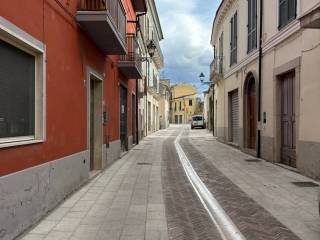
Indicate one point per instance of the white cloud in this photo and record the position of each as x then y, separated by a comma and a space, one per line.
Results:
187, 29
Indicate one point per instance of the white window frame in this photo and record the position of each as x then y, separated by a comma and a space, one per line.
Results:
25, 42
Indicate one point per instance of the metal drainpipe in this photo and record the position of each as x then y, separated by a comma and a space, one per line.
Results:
137, 111
260, 79
147, 83
137, 86
213, 103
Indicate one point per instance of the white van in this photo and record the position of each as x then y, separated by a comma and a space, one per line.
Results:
197, 121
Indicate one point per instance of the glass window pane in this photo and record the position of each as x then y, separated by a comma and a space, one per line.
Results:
283, 12
291, 9
17, 92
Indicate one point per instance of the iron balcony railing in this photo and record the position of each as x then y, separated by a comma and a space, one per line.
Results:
213, 69
114, 8
216, 68
133, 53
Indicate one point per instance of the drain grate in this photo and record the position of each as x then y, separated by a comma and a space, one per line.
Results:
144, 163
305, 184
253, 160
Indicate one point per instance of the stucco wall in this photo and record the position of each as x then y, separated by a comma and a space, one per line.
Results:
68, 51
281, 49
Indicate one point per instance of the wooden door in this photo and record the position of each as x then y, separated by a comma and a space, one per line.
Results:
288, 122
251, 115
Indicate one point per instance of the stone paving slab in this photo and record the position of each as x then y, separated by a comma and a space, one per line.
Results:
268, 185
124, 202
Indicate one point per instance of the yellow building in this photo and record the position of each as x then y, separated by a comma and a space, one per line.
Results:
183, 103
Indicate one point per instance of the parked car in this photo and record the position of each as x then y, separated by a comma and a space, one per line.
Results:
197, 121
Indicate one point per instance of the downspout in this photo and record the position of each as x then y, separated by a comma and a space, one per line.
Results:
137, 112
260, 80
138, 28
213, 104
146, 89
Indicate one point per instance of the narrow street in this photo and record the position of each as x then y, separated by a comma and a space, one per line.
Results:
148, 195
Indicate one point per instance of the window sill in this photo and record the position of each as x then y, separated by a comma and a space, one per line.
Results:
284, 26
14, 142
251, 50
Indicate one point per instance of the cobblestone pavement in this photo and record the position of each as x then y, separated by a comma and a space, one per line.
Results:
186, 216
258, 196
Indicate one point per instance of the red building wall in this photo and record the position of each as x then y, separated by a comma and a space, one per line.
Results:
69, 51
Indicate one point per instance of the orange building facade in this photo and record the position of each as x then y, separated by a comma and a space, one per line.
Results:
77, 114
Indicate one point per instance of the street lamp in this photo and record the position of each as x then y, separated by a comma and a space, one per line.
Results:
151, 48
211, 84
202, 76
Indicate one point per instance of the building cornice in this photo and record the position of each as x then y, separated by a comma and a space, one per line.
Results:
222, 11
244, 62
282, 35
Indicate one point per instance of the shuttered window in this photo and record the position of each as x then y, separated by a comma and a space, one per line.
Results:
252, 25
233, 40
221, 54
17, 92
287, 12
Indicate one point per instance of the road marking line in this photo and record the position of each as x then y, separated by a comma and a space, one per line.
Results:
225, 226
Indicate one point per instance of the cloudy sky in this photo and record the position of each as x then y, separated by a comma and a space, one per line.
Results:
187, 25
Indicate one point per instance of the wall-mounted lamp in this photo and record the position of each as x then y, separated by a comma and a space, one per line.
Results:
202, 78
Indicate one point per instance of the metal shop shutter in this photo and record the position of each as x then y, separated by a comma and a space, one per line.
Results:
234, 100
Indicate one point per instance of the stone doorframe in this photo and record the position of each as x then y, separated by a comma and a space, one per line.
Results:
93, 75
292, 66
249, 76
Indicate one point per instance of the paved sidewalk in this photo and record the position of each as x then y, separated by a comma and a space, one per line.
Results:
267, 184
124, 202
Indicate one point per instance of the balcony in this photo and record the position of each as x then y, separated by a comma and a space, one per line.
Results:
130, 64
216, 70
158, 56
105, 22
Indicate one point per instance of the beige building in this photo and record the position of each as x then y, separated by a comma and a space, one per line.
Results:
183, 103
151, 35
266, 95
164, 103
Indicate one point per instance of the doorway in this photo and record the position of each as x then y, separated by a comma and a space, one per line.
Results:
288, 120
250, 113
211, 113
234, 117
95, 120
134, 133
123, 118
